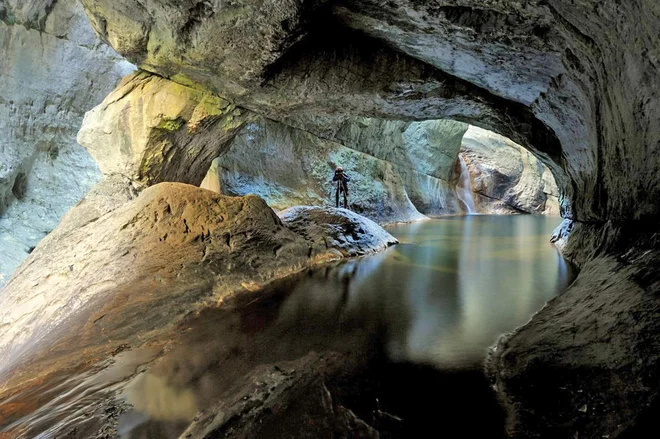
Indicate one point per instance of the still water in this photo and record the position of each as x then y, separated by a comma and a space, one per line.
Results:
412, 325
421, 315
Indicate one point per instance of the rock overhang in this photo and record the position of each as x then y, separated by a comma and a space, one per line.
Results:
535, 72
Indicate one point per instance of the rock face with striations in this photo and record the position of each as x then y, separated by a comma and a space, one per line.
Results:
54, 68
506, 178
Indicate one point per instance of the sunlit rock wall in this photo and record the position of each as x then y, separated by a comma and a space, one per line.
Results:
399, 170
423, 153
53, 69
152, 130
289, 167
505, 177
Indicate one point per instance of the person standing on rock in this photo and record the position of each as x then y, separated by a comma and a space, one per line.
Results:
341, 180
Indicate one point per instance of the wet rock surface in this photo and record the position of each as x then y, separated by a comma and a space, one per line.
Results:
588, 363
122, 268
288, 399
160, 252
505, 177
331, 228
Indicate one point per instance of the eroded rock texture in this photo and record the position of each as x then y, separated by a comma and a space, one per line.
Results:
547, 75
53, 69
397, 169
341, 229
424, 154
152, 130
506, 178
290, 167
588, 362
573, 81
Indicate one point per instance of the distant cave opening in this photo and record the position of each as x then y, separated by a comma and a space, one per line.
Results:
494, 175
400, 171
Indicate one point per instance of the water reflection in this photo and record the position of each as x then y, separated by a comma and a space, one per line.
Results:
439, 298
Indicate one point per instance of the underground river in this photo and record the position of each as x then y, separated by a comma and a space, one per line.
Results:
412, 324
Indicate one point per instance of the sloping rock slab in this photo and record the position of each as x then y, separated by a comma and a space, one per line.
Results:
339, 229
127, 274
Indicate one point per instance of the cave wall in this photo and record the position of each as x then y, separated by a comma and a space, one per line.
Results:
505, 177
289, 167
424, 154
545, 74
53, 69
574, 82
397, 169
151, 130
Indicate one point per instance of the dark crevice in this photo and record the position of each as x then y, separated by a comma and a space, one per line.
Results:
19, 189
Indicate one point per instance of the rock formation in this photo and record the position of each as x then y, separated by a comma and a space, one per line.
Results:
575, 82
386, 160
54, 68
122, 267
398, 169
152, 130
341, 229
505, 177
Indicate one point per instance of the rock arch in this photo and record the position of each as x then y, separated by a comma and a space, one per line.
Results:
573, 81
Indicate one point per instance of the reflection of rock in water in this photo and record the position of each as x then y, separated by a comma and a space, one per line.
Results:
152, 394
339, 337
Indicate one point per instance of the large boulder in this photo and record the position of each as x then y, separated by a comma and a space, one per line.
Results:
340, 229
124, 266
287, 399
505, 177
173, 244
54, 69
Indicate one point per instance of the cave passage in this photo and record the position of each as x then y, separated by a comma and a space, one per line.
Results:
412, 326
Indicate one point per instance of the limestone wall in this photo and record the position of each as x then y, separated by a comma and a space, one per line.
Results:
53, 69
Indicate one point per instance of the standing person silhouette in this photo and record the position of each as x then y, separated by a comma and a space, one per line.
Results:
341, 180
